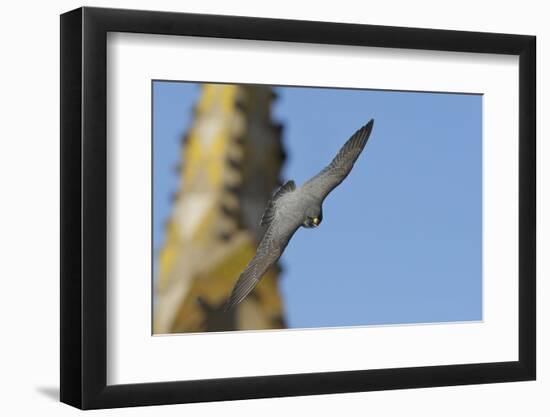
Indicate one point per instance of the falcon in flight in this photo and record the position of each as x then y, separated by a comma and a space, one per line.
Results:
291, 207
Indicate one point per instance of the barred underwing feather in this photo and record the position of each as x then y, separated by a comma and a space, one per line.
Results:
339, 168
268, 252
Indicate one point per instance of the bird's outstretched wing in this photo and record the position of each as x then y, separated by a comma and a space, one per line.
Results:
278, 233
334, 173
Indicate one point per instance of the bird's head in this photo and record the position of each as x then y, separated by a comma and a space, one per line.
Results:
314, 217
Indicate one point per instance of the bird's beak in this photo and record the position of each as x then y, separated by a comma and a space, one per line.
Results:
316, 221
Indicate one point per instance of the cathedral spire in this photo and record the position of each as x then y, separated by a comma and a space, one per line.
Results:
231, 161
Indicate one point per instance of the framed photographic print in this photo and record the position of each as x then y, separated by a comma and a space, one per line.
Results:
259, 207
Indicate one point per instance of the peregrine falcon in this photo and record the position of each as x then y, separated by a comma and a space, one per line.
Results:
291, 207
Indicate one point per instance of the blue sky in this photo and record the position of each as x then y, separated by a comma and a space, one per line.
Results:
401, 237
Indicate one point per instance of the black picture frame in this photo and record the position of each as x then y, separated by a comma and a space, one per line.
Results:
84, 207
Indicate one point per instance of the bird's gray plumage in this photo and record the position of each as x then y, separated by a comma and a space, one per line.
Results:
291, 207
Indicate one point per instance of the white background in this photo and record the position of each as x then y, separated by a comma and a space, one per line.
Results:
29, 211
134, 356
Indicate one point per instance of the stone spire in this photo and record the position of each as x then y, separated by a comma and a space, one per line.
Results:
231, 161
